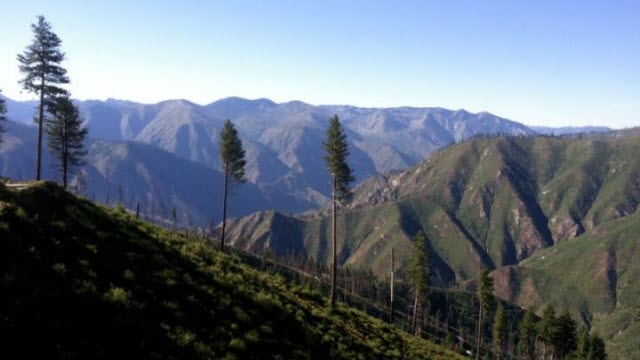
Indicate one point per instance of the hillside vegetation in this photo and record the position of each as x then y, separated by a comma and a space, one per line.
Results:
494, 203
81, 281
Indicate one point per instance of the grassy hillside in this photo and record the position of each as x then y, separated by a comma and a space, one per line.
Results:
81, 281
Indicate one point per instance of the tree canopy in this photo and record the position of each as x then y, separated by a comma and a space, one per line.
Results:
40, 66
66, 137
3, 116
336, 153
232, 155
233, 163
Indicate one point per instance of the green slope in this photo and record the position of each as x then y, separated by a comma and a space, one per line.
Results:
595, 275
485, 203
80, 281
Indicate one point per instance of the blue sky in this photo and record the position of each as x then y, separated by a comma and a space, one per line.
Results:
539, 62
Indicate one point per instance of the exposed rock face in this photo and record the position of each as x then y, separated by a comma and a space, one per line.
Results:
565, 228
506, 281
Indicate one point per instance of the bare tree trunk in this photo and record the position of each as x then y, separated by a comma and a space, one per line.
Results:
391, 302
224, 207
334, 266
40, 125
479, 339
414, 321
65, 159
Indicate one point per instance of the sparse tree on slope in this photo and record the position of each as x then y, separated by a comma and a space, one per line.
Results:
499, 332
3, 116
233, 163
486, 298
527, 343
174, 217
40, 65
419, 271
66, 136
336, 153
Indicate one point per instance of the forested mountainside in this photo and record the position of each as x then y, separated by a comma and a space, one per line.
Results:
83, 281
491, 203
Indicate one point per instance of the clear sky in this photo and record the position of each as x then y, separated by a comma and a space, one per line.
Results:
555, 62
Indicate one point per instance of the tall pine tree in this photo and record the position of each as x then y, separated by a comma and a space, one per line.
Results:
66, 136
528, 334
419, 272
40, 65
486, 298
546, 329
3, 116
565, 340
500, 332
233, 163
336, 153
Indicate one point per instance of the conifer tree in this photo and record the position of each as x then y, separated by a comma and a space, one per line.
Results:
3, 116
500, 333
419, 272
40, 65
546, 329
527, 343
597, 350
233, 163
584, 344
174, 217
66, 137
486, 298
564, 336
336, 153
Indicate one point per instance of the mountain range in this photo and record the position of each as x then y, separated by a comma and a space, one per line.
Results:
283, 143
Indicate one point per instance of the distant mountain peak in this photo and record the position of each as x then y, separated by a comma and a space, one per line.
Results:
239, 101
566, 130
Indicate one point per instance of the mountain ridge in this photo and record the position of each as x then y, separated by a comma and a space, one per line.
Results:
284, 141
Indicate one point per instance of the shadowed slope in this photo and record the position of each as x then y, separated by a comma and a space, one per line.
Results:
82, 281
